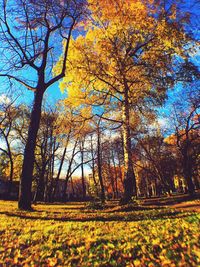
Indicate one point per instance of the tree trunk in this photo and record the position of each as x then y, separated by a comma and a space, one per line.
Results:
10, 183
25, 194
51, 174
82, 171
9, 153
58, 174
112, 178
68, 174
120, 167
93, 164
41, 184
99, 164
115, 174
129, 176
187, 172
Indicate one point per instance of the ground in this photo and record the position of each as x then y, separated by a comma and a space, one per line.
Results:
159, 232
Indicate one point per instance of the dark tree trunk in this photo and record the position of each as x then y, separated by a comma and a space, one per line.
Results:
72, 187
58, 175
187, 172
196, 182
41, 185
25, 194
10, 183
68, 174
51, 174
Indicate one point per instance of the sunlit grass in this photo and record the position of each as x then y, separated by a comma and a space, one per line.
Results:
71, 235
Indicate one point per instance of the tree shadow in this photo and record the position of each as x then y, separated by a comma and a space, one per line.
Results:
172, 200
131, 217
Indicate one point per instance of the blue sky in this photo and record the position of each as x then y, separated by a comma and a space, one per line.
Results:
53, 93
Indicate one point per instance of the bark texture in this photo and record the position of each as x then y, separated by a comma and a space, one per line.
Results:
25, 196
129, 175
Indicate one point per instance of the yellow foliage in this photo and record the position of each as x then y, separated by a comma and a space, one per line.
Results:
124, 42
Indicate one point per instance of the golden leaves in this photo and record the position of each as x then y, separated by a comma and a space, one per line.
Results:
123, 43
148, 237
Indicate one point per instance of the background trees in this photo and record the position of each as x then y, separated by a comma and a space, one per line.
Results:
115, 70
185, 138
127, 56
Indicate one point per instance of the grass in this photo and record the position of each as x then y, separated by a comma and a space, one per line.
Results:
73, 235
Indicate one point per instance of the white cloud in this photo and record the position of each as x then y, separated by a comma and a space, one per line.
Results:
163, 122
4, 99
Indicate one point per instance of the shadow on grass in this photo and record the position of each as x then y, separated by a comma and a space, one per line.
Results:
172, 200
131, 217
64, 208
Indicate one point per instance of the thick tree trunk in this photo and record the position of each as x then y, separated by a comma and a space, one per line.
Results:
129, 176
187, 172
41, 185
25, 195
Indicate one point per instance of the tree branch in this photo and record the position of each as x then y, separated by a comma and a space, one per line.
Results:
19, 80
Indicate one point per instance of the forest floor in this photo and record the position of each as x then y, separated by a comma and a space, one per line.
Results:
156, 232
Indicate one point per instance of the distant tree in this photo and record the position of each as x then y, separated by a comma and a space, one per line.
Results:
46, 148
156, 165
9, 113
185, 120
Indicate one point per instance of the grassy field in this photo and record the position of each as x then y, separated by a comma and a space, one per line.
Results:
74, 235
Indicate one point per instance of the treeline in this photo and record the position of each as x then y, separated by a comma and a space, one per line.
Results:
116, 68
165, 152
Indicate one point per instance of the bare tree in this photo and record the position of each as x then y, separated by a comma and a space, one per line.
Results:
187, 126
9, 113
31, 32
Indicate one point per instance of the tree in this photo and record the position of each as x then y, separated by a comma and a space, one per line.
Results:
186, 125
125, 56
156, 164
28, 32
9, 113
46, 148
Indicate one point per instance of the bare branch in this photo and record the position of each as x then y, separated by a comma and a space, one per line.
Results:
19, 80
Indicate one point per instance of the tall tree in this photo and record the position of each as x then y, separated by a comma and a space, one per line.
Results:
125, 56
28, 31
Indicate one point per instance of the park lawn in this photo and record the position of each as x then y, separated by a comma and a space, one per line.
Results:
73, 235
